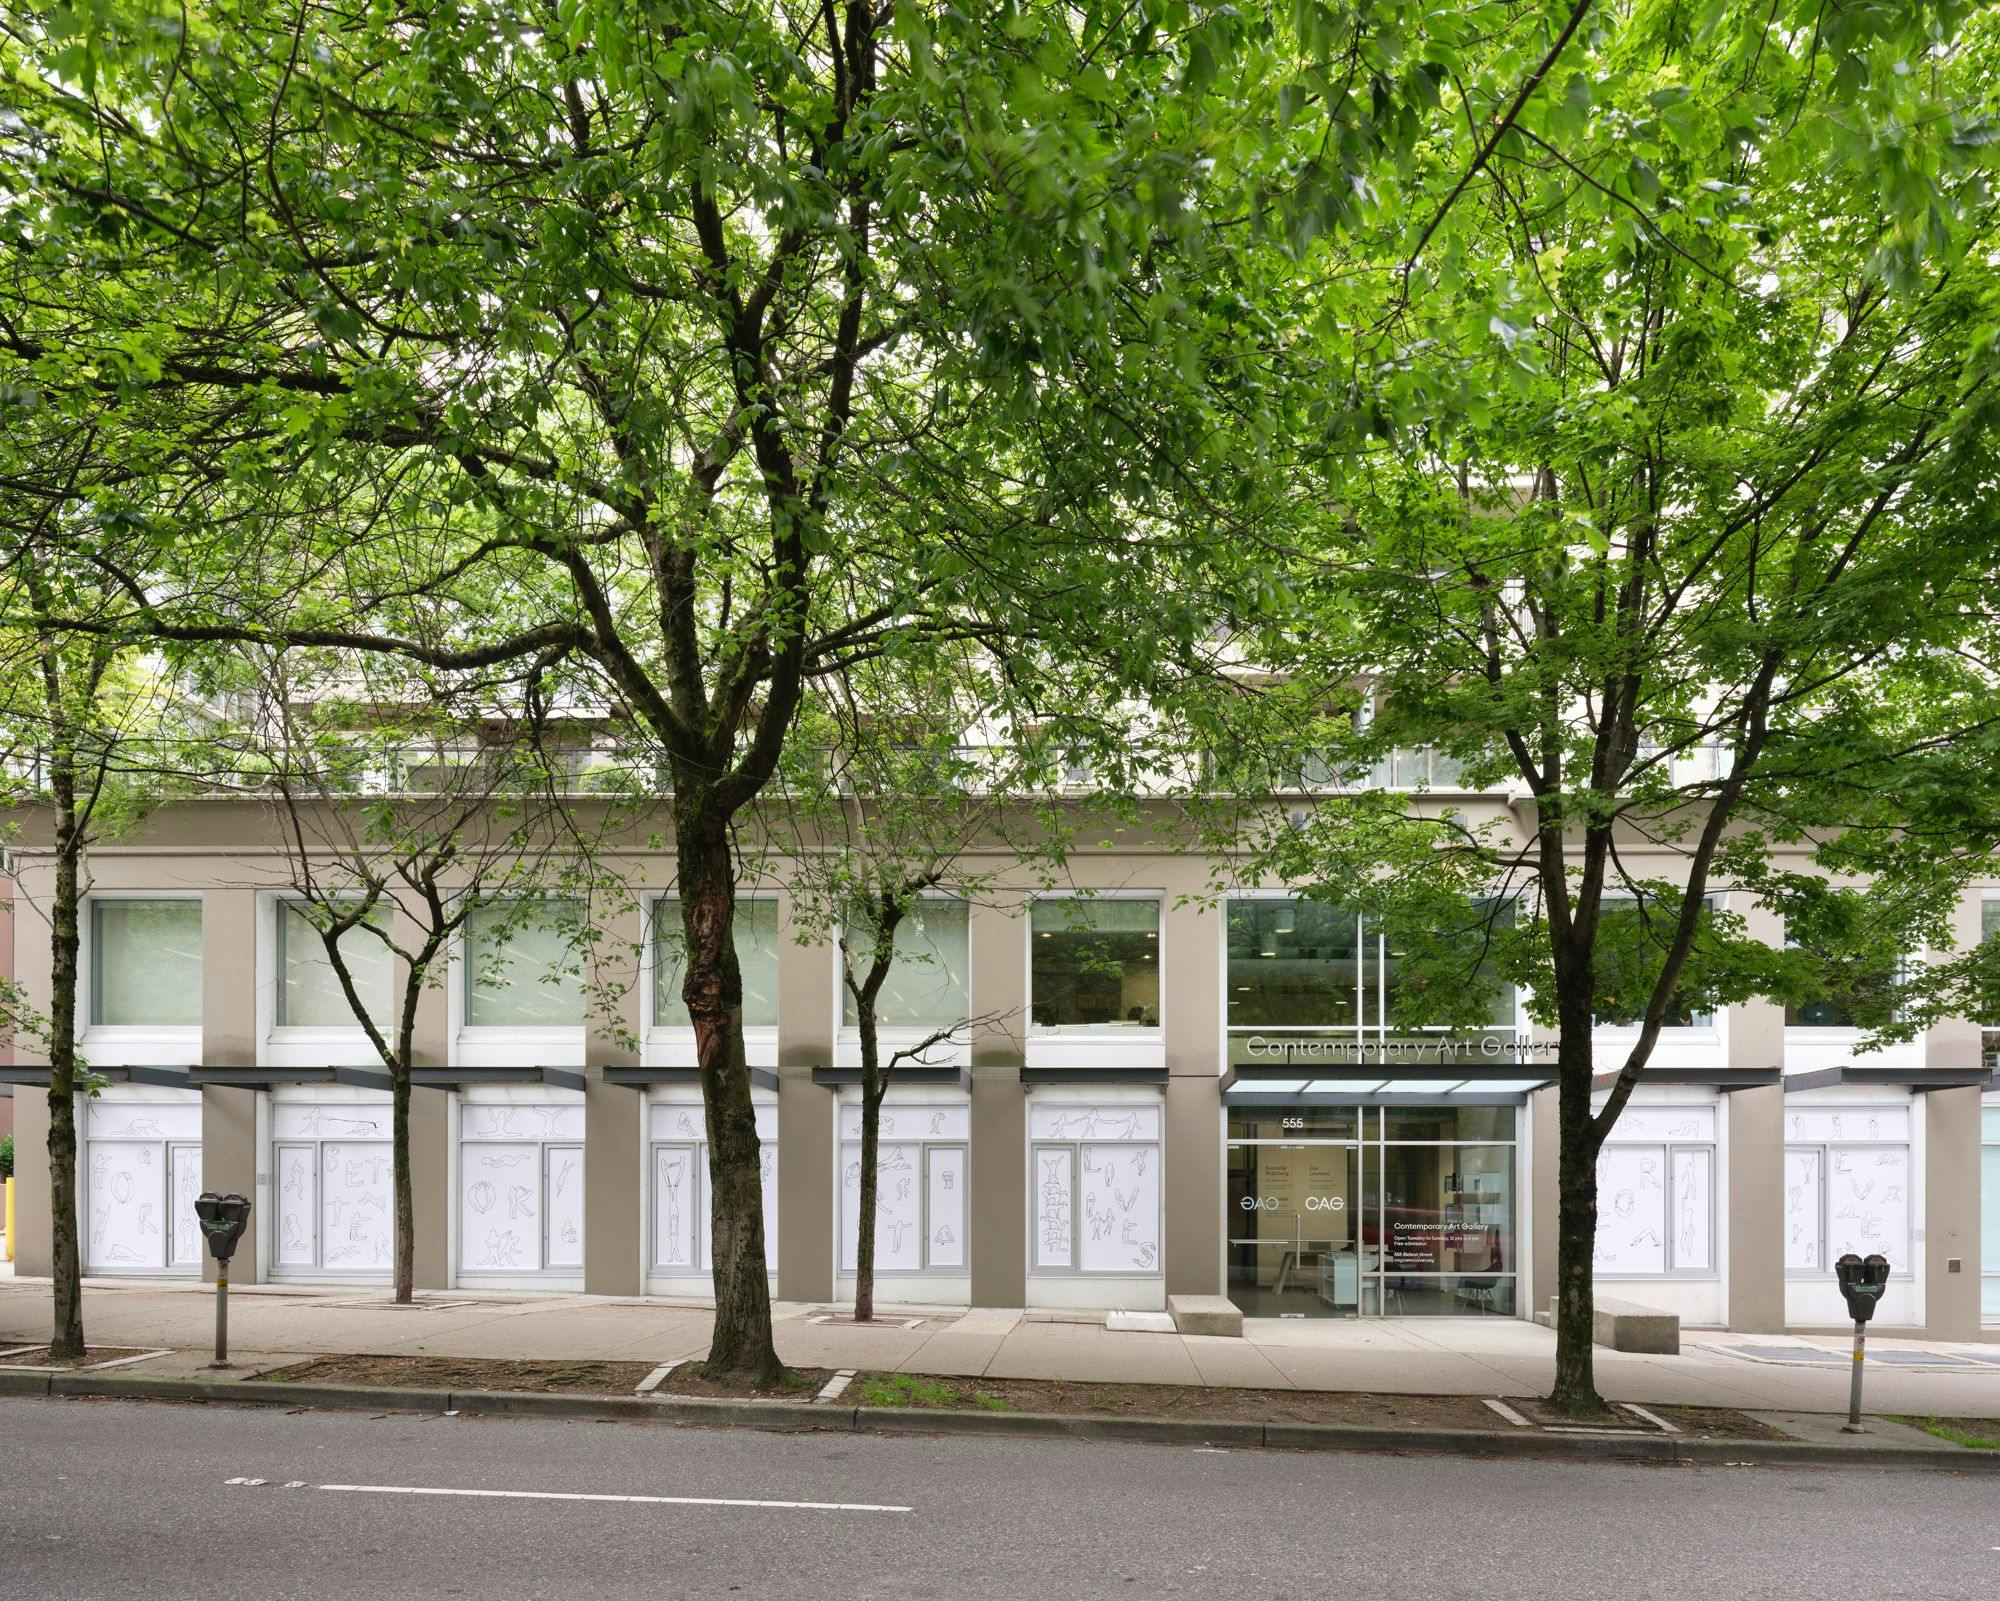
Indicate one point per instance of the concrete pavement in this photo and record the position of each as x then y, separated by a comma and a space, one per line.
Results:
158, 1502
1437, 1356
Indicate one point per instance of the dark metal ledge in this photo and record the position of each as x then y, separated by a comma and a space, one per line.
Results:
834, 1078
1919, 1079
1155, 1077
165, 1078
264, 1078
457, 1078
1725, 1079
639, 1078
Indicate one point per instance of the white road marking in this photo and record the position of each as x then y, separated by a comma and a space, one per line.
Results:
1507, 1412
651, 1381
639, 1500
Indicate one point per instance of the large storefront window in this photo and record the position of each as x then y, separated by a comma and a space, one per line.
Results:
1989, 1216
1096, 963
1847, 1186
926, 984
1656, 1194
1318, 985
1098, 1188
1403, 1210
920, 1188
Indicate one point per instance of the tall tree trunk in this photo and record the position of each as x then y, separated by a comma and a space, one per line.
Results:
66, 1266
399, 1172
1575, 1390
742, 1347
871, 1146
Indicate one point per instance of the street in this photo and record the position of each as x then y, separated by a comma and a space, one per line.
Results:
153, 1500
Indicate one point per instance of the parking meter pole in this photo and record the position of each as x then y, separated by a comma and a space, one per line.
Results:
221, 1315
1853, 1423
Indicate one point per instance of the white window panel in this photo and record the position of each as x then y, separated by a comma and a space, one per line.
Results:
1120, 1227
357, 1224
184, 1162
1868, 1203
1693, 1217
1805, 1209
562, 1185
126, 1195
1631, 1209
297, 1178
1829, 1125
676, 1177
1055, 1206
944, 1219
903, 1120
499, 1208
145, 963
1693, 1125
1059, 1120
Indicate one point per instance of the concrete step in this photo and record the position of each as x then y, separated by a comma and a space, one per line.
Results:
1205, 1314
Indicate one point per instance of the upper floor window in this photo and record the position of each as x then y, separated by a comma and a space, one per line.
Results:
309, 990
1847, 998
145, 963
523, 968
1629, 950
1095, 963
926, 985
756, 927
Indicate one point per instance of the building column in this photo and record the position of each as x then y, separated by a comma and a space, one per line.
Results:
1754, 1127
229, 1039
613, 1137
1191, 1019
997, 1214
1951, 1213
808, 1199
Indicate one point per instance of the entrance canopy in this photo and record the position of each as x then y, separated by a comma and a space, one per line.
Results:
1403, 1083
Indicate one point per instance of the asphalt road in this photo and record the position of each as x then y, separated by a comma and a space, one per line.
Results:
134, 1499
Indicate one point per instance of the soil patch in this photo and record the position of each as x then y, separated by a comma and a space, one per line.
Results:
39, 1356
464, 1373
686, 1379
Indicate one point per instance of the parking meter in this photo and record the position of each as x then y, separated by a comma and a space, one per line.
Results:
1862, 1281
223, 1219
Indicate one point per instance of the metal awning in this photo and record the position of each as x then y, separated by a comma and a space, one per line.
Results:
1407, 1083
165, 1078
639, 1078
1921, 1080
904, 1077
1725, 1079
457, 1078
264, 1078
1144, 1077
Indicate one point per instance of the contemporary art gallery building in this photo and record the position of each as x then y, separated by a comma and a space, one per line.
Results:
1162, 1090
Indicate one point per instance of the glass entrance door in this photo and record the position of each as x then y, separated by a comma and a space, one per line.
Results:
1295, 1236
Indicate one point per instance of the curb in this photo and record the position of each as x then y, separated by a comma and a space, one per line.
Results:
808, 1417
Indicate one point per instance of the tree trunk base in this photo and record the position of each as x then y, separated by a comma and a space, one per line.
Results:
771, 1375
1585, 1405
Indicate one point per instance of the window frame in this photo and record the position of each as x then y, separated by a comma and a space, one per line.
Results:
467, 978
90, 968
1112, 1031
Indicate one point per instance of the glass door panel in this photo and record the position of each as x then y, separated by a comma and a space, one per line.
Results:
1294, 1247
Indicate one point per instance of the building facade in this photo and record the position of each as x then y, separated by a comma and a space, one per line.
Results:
1161, 1092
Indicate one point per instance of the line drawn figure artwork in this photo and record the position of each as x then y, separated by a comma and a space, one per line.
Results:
1055, 1204
1871, 1227
1798, 1127
140, 1128
1649, 1173
1070, 1125
685, 1124
500, 1119
672, 1175
1089, 1162
894, 1162
100, 1221
145, 1155
100, 1164
1147, 1256
1623, 1202
1687, 1223
514, 1160
371, 1166
1860, 1190
122, 1253
1100, 1222
1889, 1159
1105, 1127
888, 1124
1893, 1193
937, 1122
1110, 1173
357, 1227
146, 1223
121, 1187
503, 1249
944, 1235
1874, 1128
562, 1176
551, 1116
569, 1231
898, 1227
519, 1202
295, 1181
294, 1238
317, 1122
1646, 1236
949, 1179
482, 1196
1836, 1125
381, 1248
375, 1202
1126, 1199
1840, 1163
343, 1253
852, 1176
1139, 1161
1798, 1233
1684, 1130
903, 1189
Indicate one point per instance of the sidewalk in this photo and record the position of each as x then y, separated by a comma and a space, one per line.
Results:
1415, 1356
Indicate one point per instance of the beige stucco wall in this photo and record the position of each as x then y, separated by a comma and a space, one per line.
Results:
613, 1127
807, 1224
998, 1205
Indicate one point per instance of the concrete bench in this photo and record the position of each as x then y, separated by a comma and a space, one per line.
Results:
1627, 1326
1205, 1314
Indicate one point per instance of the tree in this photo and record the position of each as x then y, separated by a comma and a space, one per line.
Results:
718, 348
1699, 569
407, 805
924, 776
96, 734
